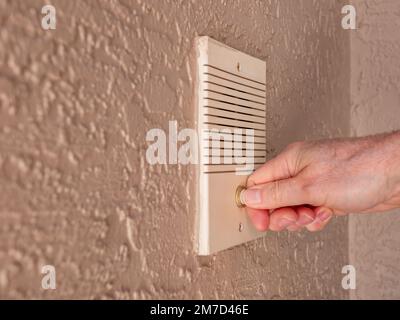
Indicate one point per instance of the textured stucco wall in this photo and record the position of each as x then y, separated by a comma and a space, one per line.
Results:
375, 107
75, 106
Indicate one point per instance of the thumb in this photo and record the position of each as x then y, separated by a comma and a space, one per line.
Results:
276, 194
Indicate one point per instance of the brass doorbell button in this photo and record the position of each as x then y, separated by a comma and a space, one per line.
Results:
238, 198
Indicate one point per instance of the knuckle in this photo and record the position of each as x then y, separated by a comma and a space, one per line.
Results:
316, 189
294, 155
307, 187
295, 146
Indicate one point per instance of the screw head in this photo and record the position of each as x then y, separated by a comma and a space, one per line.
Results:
241, 227
238, 66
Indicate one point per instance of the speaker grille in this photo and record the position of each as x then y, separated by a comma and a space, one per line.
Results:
233, 119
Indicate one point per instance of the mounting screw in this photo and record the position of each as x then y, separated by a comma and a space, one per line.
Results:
241, 227
238, 66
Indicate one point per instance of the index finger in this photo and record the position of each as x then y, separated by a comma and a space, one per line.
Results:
285, 165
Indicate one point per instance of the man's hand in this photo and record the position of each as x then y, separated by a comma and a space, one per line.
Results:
309, 182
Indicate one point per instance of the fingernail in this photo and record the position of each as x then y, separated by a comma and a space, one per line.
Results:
251, 196
324, 215
304, 220
283, 223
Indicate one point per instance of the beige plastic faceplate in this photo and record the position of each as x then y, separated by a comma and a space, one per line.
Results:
230, 100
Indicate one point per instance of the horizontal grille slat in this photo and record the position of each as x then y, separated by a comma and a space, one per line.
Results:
234, 77
221, 81
209, 134
234, 115
235, 108
234, 93
233, 100
225, 121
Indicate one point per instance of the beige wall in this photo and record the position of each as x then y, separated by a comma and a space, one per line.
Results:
375, 107
75, 106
